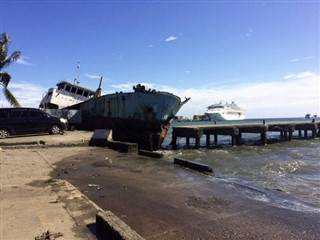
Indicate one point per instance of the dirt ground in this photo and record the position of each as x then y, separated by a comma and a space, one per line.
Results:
62, 187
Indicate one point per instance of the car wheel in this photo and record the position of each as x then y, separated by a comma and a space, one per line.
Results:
55, 129
4, 133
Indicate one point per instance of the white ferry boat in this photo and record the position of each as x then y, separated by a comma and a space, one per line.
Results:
225, 111
64, 95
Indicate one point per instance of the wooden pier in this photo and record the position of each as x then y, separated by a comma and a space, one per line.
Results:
286, 130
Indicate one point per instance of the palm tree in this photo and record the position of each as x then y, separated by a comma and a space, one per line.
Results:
4, 62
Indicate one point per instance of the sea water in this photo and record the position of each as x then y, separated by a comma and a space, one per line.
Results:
282, 173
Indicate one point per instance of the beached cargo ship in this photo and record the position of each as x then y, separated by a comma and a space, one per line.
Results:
142, 116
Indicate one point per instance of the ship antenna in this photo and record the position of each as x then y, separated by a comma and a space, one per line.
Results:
75, 81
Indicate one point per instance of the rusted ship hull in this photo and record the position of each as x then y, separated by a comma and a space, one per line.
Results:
141, 117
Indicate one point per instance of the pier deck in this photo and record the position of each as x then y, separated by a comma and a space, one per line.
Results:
286, 130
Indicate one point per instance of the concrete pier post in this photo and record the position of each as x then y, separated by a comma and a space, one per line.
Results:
215, 139
240, 135
285, 135
290, 135
233, 139
187, 141
239, 138
291, 131
197, 142
263, 139
305, 133
208, 140
238, 141
174, 141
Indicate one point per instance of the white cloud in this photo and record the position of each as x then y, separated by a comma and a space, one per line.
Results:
24, 61
300, 75
171, 38
123, 87
288, 76
28, 95
308, 58
295, 60
92, 76
301, 59
249, 32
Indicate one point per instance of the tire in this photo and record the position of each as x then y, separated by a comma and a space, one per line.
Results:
4, 133
55, 129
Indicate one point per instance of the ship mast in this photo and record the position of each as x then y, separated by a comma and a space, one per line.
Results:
75, 81
98, 92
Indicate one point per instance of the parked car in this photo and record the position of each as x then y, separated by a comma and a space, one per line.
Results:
19, 121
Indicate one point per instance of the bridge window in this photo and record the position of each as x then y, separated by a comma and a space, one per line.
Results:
80, 91
68, 87
73, 90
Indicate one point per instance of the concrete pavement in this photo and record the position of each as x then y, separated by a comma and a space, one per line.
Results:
28, 204
29, 207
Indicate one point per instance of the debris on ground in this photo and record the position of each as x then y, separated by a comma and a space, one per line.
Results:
48, 236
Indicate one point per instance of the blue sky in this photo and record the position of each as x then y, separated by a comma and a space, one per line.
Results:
264, 55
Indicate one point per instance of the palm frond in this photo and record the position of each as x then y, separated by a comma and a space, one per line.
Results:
4, 41
14, 56
4, 61
4, 38
4, 79
10, 98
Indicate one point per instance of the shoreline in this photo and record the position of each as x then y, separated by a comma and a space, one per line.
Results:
162, 201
